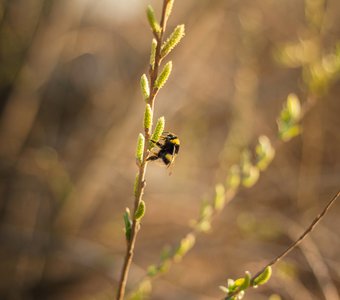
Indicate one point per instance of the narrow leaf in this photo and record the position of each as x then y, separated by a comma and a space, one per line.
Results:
163, 77
158, 131
153, 53
294, 107
147, 117
128, 224
173, 40
139, 214
186, 244
263, 277
144, 85
156, 28
219, 200
168, 10
246, 282
140, 148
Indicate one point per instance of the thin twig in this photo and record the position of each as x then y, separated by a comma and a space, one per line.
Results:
311, 252
142, 168
310, 228
303, 235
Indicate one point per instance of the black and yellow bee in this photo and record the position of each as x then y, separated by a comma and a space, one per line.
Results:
166, 149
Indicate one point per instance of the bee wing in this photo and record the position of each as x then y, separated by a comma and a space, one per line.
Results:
173, 155
171, 162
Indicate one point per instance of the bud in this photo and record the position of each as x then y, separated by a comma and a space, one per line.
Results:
147, 117
140, 148
263, 277
219, 200
163, 77
173, 40
144, 85
158, 131
168, 10
156, 28
294, 107
128, 224
153, 53
139, 214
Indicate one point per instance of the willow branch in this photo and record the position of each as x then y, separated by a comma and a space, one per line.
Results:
310, 228
296, 243
153, 72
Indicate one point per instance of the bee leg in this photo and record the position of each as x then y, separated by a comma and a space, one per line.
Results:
157, 143
153, 157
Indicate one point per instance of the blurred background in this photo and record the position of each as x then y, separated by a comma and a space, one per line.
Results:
70, 113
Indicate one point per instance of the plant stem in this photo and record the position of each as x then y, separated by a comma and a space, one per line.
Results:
315, 222
153, 72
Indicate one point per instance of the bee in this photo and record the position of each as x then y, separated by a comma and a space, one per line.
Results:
166, 149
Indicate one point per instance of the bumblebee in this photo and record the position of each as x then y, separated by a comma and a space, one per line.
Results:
167, 148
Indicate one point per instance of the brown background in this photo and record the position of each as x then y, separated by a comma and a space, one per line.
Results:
71, 110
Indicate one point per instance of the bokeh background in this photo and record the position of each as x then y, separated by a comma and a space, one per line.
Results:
70, 113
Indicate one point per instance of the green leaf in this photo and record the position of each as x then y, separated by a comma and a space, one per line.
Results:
233, 178
164, 75
263, 277
223, 289
168, 10
246, 281
156, 28
219, 199
144, 85
152, 271
294, 107
289, 118
173, 40
204, 226
140, 149
285, 117
164, 266
264, 152
251, 176
147, 117
206, 211
128, 224
139, 214
204, 221
186, 244
290, 133
231, 284
158, 131
153, 53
